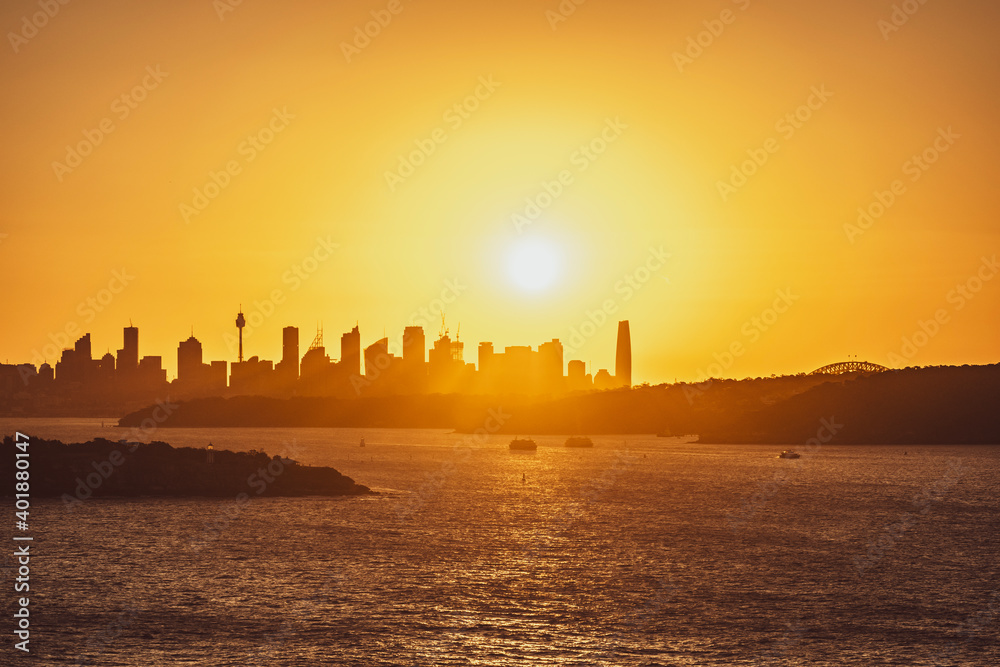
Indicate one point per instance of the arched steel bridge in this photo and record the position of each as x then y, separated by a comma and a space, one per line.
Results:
849, 367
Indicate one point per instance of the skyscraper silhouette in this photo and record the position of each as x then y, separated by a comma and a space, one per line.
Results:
290, 351
128, 356
623, 356
414, 346
350, 352
189, 361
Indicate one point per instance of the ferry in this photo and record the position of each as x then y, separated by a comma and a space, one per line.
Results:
579, 441
523, 444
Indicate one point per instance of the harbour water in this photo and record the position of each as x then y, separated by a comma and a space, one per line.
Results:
640, 551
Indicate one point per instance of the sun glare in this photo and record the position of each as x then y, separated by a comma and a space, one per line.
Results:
534, 265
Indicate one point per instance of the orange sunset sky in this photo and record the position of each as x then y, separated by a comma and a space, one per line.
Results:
740, 138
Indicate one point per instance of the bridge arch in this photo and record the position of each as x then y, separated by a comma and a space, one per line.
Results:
849, 367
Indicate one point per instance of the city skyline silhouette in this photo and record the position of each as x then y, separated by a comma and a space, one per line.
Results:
358, 370
654, 170
548, 332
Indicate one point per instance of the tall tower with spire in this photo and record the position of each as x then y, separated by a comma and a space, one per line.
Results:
240, 323
623, 356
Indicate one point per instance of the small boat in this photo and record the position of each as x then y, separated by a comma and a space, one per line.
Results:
362, 443
523, 444
789, 454
579, 441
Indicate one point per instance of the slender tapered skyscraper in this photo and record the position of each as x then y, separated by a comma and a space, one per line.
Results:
623, 356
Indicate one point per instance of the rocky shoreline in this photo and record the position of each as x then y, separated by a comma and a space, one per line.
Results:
105, 468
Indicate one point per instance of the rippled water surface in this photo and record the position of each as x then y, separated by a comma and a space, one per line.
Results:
640, 551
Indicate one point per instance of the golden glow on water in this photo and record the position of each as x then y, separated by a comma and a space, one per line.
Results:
623, 554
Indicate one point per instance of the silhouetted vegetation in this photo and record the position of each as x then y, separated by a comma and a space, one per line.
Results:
940, 404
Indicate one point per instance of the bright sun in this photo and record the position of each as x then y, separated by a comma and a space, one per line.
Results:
534, 264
